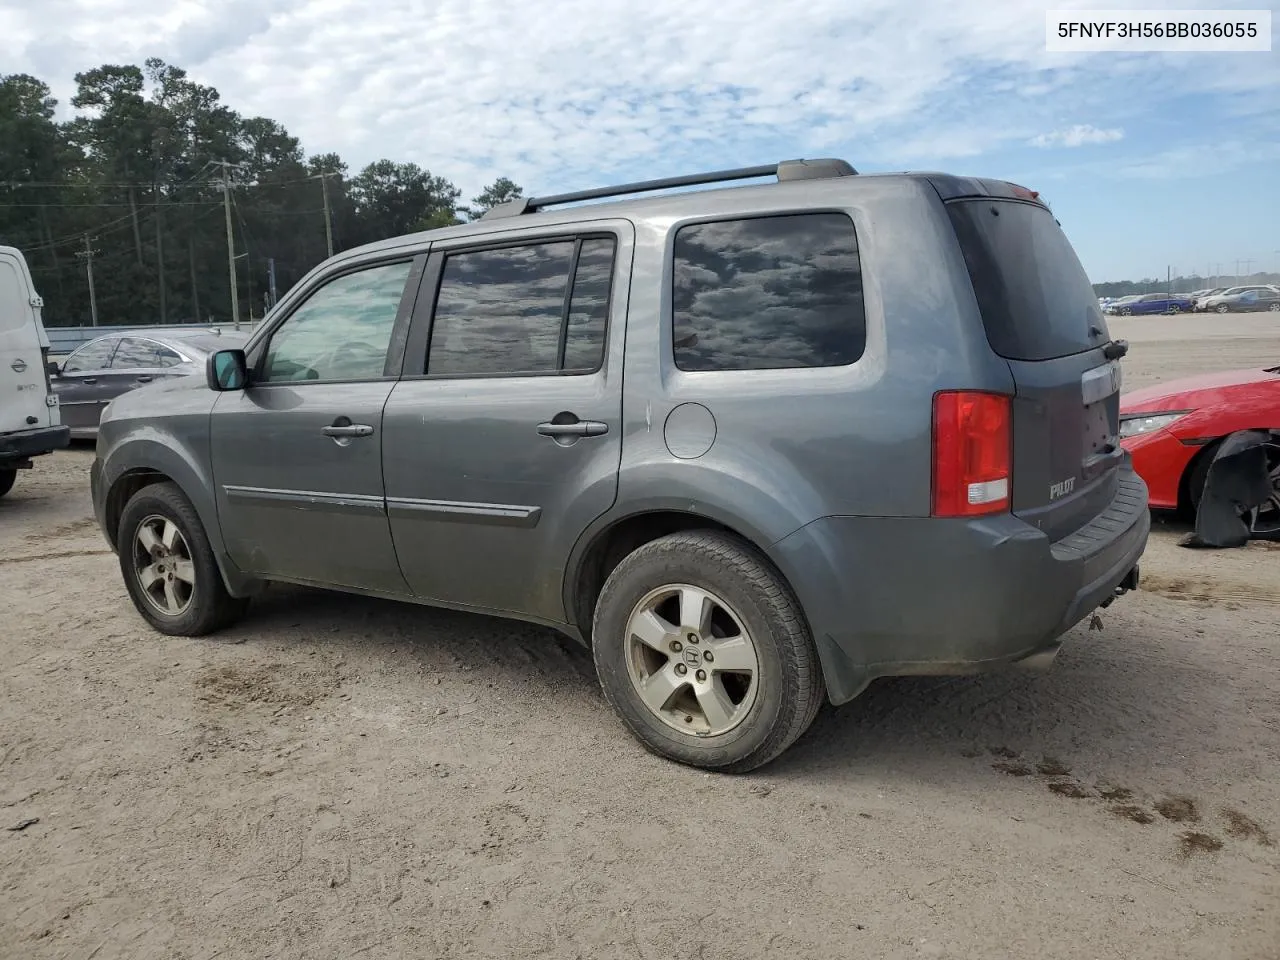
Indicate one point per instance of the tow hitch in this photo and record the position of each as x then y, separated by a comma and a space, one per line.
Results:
1130, 582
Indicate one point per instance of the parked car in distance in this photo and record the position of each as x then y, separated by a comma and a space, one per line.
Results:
1240, 299
800, 484
99, 371
1118, 304
30, 422
1149, 303
1256, 300
1172, 430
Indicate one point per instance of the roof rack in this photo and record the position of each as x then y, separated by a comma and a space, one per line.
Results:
822, 169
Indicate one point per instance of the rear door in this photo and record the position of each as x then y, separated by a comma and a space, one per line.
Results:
502, 439
1042, 317
23, 404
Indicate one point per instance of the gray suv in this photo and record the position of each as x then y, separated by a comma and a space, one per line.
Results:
756, 446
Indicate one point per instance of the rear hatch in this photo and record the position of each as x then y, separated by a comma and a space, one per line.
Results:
1042, 316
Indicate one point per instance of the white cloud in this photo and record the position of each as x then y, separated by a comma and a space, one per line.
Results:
1078, 135
566, 92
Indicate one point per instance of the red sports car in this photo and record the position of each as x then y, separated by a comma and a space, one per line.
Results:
1172, 430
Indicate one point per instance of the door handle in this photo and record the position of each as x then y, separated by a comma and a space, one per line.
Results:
348, 430
580, 428
89, 380
143, 379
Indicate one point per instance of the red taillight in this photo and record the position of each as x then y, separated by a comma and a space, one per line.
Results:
972, 453
1024, 193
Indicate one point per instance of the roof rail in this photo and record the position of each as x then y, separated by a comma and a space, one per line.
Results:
786, 170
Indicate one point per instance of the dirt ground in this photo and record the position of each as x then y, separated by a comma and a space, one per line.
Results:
342, 778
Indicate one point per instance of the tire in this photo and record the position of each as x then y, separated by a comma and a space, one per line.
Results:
1198, 474
1222, 308
1274, 308
184, 569
7, 478
1174, 310
1125, 312
776, 701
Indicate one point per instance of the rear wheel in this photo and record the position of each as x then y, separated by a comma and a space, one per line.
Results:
702, 650
168, 565
7, 477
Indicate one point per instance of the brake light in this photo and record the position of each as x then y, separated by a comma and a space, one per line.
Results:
972, 453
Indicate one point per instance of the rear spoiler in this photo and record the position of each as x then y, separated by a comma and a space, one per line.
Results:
959, 188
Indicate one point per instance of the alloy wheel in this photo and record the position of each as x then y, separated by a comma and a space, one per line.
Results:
691, 660
162, 563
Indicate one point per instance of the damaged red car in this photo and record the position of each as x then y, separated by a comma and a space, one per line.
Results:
1177, 430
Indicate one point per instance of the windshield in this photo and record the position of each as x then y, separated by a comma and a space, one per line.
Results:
1036, 300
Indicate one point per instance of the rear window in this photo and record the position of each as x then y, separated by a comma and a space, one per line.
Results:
1036, 300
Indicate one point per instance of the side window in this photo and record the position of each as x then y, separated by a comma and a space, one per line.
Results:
92, 356
342, 331
589, 307
134, 352
511, 310
768, 293
162, 356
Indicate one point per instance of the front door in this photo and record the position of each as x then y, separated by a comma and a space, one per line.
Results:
83, 385
297, 454
503, 438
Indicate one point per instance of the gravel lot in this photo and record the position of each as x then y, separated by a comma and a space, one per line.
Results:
340, 778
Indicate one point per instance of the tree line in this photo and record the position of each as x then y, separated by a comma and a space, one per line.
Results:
132, 185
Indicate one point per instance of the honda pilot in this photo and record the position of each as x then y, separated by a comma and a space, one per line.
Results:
755, 445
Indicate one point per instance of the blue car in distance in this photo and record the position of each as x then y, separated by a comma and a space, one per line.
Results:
1152, 303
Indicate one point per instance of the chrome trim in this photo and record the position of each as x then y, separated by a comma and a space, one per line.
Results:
461, 511
305, 499
1100, 382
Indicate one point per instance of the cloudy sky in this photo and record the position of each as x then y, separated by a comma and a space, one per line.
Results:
1150, 160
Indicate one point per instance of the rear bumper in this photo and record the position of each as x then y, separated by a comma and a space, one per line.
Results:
31, 443
893, 596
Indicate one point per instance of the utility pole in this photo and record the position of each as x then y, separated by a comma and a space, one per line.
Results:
87, 256
271, 282
328, 217
231, 243
1248, 266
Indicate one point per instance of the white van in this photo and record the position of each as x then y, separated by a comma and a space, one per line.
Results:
30, 421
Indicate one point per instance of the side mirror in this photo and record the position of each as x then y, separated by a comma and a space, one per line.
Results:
226, 370
53, 368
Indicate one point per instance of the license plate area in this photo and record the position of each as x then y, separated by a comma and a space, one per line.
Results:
1100, 418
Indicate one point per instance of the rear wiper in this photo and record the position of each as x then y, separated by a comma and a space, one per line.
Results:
1115, 349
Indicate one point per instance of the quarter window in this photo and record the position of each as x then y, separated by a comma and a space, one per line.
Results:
768, 293
511, 310
343, 331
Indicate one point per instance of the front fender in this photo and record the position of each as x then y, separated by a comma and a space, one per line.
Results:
155, 449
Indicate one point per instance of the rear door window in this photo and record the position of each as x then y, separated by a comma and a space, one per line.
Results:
532, 309
1037, 302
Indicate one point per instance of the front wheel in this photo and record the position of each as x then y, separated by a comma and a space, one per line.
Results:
1222, 308
1174, 310
168, 565
7, 478
1275, 307
702, 650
